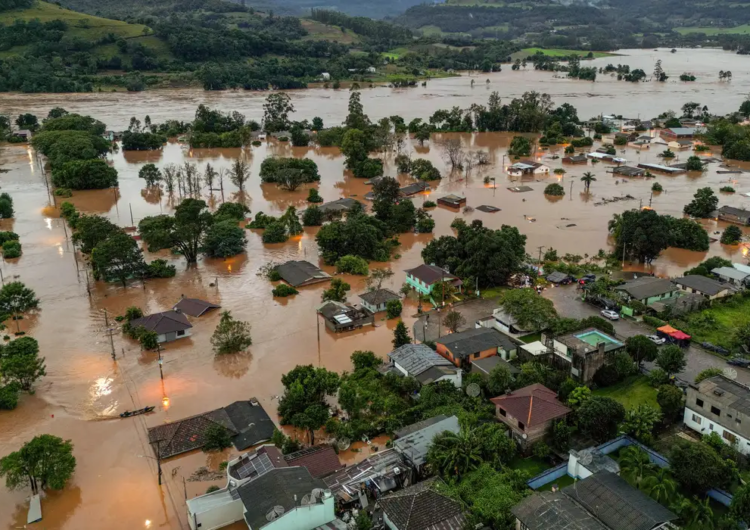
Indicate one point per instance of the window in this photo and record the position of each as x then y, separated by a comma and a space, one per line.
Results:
711, 426
716, 411
737, 420
699, 402
502, 411
181, 333
697, 419
521, 426
476, 355
731, 438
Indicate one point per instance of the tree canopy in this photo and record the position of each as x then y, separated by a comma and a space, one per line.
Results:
44, 462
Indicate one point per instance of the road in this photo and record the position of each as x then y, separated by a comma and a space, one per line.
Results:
568, 304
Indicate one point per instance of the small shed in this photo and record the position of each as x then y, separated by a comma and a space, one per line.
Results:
628, 171
301, 273
560, 278
452, 201
674, 335
575, 159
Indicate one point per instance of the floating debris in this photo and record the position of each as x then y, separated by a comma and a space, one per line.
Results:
627, 197
520, 189
487, 208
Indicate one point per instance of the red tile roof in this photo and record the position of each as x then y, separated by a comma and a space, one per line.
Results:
533, 405
320, 460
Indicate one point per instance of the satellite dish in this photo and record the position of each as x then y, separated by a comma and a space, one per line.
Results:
317, 493
473, 390
730, 373
305, 500
275, 512
524, 436
343, 444
586, 458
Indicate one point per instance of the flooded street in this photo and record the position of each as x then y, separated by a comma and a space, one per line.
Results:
115, 483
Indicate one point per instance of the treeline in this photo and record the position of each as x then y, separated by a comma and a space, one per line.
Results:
7, 5
374, 30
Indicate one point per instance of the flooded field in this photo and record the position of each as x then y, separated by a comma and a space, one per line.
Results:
115, 483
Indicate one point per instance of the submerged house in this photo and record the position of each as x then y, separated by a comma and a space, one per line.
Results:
168, 325
452, 201
377, 300
343, 317
734, 215
301, 273
194, 306
527, 168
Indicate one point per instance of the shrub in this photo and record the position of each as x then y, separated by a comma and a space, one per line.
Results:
257, 143
313, 216
283, 290
216, 438
6, 206
8, 236
11, 249
283, 138
261, 221
554, 190
84, 175
694, 163
727, 189
425, 225
275, 233
656, 187
314, 196
63, 192
160, 268
540, 450
393, 309
352, 265
274, 275
607, 375
429, 204
732, 235
653, 321
211, 489
149, 339
658, 377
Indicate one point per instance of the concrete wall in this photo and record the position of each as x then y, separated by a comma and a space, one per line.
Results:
211, 517
700, 423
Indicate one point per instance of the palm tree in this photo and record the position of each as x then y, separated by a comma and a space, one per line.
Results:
661, 487
697, 515
635, 465
588, 178
454, 454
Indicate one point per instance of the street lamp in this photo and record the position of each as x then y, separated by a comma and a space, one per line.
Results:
157, 459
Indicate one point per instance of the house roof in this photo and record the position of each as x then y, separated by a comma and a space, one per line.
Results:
465, 343
733, 394
731, 210
282, 487
534, 405
646, 287
251, 421
629, 171
554, 511
417, 358
320, 460
731, 272
297, 273
617, 504
380, 468
487, 364
430, 274
421, 507
414, 446
434, 373
414, 427
742, 268
254, 464
557, 277
452, 198
379, 296
194, 307
701, 284
575, 158
164, 322
247, 422
682, 130
339, 206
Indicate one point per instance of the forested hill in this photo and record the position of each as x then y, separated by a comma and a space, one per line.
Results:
600, 25
363, 8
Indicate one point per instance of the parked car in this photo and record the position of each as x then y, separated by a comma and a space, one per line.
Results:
587, 278
657, 340
712, 347
610, 315
744, 363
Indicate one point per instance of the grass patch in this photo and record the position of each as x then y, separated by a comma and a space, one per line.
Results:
533, 337
633, 391
396, 53
319, 31
717, 324
492, 292
739, 30
559, 52
533, 466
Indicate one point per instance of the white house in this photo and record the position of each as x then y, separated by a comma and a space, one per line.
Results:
377, 300
325, 76
527, 167
424, 364
721, 405
168, 325
732, 275
267, 494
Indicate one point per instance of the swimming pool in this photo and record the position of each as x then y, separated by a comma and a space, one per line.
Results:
594, 337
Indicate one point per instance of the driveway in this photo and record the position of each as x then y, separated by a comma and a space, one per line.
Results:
568, 304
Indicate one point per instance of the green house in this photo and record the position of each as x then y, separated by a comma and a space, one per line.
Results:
647, 290
425, 277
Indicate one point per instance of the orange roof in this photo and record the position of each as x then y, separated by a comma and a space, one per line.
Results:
533, 405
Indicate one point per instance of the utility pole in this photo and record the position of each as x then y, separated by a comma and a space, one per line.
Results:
132, 222
623, 254
651, 198
571, 189
158, 458
540, 256
161, 370
109, 332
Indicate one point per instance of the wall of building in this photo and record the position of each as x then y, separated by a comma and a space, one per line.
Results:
304, 517
445, 352
418, 284
699, 422
217, 516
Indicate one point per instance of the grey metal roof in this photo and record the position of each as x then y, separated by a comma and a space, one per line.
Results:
414, 446
683, 130
736, 395
434, 373
414, 427
297, 273
702, 284
731, 272
379, 296
557, 277
416, 358
554, 511
338, 206
731, 210
430, 274
162, 323
618, 504
251, 421
487, 364
465, 343
283, 487
646, 287
421, 507
194, 306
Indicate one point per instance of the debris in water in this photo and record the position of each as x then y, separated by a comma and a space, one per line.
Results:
627, 197
520, 189
487, 208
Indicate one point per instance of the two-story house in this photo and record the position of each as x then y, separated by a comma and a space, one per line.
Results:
584, 352
720, 405
426, 277
529, 412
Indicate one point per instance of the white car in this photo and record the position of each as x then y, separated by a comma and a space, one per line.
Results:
609, 314
657, 340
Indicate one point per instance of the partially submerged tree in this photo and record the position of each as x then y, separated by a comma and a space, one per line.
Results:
118, 258
45, 462
16, 298
151, 174
337, 291
304, 404
230, 336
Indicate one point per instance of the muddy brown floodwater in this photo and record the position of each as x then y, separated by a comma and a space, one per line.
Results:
115, 485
